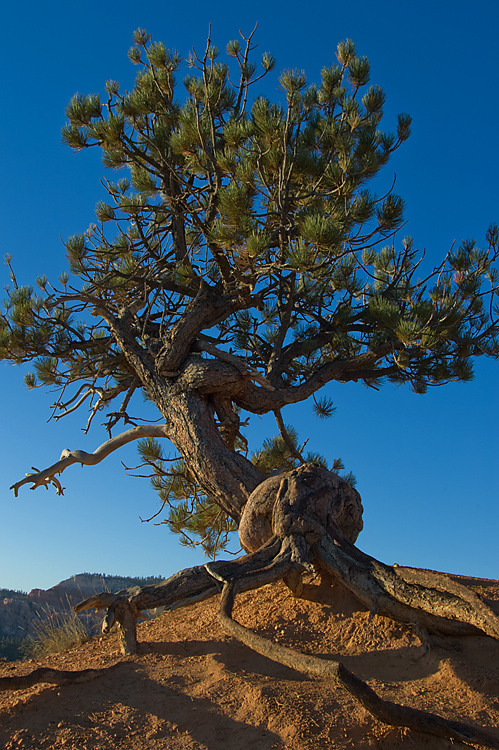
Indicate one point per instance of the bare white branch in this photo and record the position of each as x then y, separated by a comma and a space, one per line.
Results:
48, 476
75, 406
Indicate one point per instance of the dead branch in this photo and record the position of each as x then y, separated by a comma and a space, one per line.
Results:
48, 476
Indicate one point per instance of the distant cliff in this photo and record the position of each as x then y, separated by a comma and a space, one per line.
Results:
20, 612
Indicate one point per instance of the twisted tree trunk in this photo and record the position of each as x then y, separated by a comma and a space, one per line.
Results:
225, 476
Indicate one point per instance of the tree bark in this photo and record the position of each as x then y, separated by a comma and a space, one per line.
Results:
308, 500
224, 475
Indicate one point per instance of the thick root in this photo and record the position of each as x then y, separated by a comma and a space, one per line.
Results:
52, 677
305, 529
431, 600
270, 563
323, 514
386, 711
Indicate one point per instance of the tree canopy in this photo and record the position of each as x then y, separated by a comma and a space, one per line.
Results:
241, 262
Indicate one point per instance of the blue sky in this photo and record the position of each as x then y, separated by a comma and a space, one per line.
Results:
426, 465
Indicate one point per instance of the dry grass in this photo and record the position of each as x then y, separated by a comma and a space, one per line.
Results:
54, 633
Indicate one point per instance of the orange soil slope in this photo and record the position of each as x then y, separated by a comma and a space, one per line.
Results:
192, 687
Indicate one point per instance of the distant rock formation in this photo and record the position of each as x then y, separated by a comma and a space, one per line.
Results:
20, 613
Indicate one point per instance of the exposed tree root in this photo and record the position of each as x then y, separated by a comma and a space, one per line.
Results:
51, 676
306, 535
302, 528
386, 711
428, 599
270, 563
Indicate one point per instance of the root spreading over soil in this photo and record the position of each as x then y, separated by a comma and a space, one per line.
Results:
191, 686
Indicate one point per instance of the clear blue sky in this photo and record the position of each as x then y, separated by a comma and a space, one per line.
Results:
426, 465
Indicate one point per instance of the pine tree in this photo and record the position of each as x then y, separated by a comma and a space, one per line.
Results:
242, 262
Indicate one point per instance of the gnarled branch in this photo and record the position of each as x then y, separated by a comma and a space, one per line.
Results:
48, 476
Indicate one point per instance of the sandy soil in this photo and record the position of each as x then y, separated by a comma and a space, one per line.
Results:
192, 687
